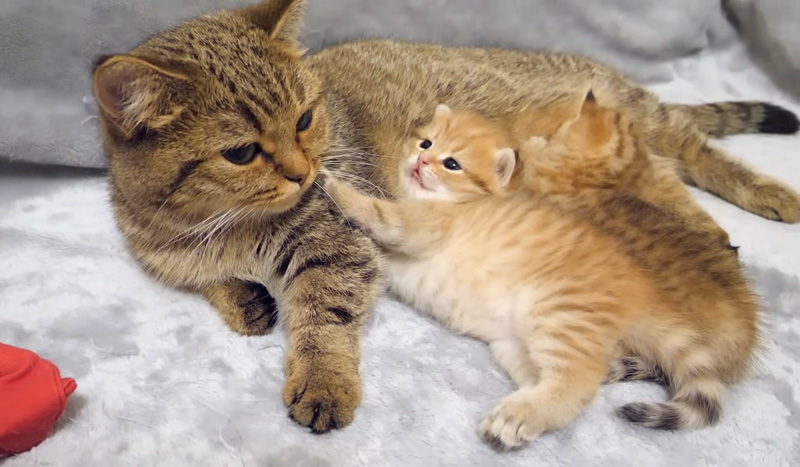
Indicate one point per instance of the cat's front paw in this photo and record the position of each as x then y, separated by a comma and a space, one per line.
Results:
512, 423
322, 395
246, 307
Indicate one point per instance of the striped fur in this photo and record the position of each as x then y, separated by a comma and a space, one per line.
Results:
577, 146
732, 118
571, 291
175, 105
256, 239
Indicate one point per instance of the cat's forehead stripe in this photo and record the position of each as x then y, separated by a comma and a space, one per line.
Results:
237, 62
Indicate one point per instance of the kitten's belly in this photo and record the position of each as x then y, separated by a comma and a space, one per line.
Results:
466, 303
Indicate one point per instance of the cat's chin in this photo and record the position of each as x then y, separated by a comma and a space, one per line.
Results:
411, 189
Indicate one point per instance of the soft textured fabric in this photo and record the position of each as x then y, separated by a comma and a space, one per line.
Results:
163, 382
47, 47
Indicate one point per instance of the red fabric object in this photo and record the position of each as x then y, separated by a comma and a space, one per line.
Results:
32, 397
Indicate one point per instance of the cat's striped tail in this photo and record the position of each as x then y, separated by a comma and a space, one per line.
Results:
697, 403
720, 119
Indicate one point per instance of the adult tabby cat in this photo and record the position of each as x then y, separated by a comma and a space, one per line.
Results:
216, 130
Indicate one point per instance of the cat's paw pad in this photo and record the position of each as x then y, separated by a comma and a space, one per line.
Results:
322, 397
775, 201
511, 424
246, 307
259, 309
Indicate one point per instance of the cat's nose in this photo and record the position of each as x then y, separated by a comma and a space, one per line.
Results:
295, 178
424, 158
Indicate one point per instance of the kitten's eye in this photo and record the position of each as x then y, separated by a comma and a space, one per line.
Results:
305, 121
451, 164
425, 144
243, 155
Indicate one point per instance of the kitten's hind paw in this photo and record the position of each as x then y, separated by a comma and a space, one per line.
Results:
635, 369
511, 424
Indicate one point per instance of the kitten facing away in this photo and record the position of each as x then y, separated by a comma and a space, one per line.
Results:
568, 291
572, 144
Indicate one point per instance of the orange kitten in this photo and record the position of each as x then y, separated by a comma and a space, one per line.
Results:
578, 144
457, 154
568, 292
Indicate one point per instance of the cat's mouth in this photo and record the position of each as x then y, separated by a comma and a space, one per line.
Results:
416, 177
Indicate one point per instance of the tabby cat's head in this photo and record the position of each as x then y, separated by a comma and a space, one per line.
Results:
217, 113
458, 156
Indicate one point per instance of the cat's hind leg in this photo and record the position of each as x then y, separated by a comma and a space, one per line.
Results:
572, 359
714, 171
634, 368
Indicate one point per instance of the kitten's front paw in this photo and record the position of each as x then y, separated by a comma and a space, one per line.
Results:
333, 186
512, 423
322, 396
532, 146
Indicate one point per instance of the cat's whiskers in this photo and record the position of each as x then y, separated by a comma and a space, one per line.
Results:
223, 224
150, 225
224, 227
196, 228
201, 235
353, 178
334, 202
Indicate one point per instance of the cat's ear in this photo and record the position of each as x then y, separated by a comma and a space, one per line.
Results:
280, 18
589, 103
134, 94
505, 160
442, 111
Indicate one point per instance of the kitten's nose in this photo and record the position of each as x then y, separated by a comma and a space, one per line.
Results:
424, 159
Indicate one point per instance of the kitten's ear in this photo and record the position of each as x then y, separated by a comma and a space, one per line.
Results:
589, 102
442, 111
134, 93
505, 160
280, 18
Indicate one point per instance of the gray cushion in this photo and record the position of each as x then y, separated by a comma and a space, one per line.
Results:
772, 29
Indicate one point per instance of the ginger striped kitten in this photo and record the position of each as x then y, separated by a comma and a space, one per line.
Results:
568, 291
571, 144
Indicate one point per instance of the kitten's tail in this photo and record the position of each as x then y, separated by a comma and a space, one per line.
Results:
696, 403
720, 119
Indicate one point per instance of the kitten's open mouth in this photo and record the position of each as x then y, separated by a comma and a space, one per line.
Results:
416, 176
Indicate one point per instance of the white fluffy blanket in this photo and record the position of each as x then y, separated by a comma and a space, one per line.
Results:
161, 381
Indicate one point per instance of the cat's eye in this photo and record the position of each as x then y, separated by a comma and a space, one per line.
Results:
241, 155
451, 164
305, 121
425, 144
